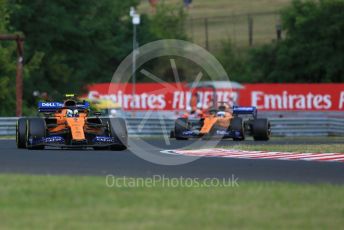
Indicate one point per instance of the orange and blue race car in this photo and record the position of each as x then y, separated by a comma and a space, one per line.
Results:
223, 122
68, 125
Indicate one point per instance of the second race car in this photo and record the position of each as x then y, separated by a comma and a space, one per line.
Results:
223, 122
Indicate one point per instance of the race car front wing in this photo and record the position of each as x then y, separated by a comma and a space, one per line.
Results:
219, 133
58, 141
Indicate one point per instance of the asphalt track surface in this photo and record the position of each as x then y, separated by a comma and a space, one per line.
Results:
125, 163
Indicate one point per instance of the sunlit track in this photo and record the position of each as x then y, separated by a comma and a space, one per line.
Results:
316, 168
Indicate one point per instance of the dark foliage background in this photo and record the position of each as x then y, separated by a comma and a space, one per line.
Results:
70, 44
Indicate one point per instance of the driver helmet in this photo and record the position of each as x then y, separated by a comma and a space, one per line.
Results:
72, 113
221, 114
69, 113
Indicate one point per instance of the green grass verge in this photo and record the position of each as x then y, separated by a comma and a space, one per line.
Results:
7, 137
71, 202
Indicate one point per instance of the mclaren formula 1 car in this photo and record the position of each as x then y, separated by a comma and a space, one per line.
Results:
223, 123
68, 125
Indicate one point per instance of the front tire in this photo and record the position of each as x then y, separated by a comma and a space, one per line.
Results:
36, 128
118, 129
237, 125
21, 133
261, 129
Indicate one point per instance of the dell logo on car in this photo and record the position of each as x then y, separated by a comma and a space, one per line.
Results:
48, 104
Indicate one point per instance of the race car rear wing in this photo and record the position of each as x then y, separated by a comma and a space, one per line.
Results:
51, 107
249, 110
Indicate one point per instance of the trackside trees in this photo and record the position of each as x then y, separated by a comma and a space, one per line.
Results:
313, 50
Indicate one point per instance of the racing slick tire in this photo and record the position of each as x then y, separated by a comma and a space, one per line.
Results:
237, 124
180, 125
261, 129
21, 133
118, 128
36, 128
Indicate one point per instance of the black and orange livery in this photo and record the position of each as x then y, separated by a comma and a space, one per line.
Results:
68, 125
222, 121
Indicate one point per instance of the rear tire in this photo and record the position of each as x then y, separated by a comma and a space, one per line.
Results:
36, 128
261, 129
180, 126
21, 133
237, 125
118, 129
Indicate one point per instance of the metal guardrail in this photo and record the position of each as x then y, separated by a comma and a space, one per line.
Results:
301, 126
8, 126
